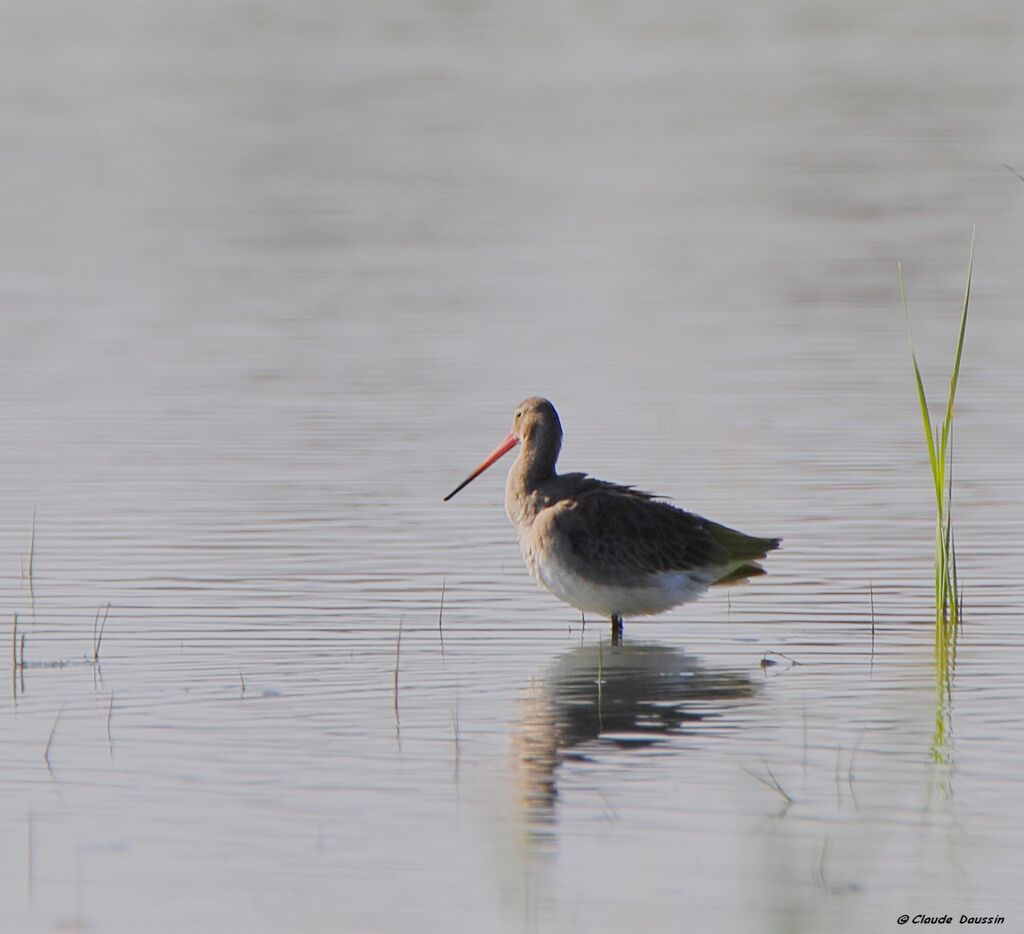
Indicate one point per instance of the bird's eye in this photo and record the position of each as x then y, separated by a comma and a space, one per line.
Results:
519, 414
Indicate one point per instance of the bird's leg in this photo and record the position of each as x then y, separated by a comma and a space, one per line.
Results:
616, 629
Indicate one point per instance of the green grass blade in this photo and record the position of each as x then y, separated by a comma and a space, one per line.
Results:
955, 375
950, 556
922, 399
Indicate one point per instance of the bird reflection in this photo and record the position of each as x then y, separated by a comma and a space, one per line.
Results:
612, 697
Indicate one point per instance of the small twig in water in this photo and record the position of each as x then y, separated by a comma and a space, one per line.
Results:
241, 681
871, 594
455, 738
849, 770
1015, 172
398, 656
14, 660
98, 638
49, 742
821, 864
839, 790
32, 546
804, 728
613, 814
773, 783
440, 615
110, 713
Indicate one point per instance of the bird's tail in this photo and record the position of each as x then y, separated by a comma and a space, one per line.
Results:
744, 551
740, 575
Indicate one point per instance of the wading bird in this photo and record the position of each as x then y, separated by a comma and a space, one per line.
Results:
605, 548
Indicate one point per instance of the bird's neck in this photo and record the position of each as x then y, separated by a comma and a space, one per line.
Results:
530, 472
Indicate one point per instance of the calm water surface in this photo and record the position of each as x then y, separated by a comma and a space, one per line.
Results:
275, 277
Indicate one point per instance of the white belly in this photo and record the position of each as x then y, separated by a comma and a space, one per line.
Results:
658, 592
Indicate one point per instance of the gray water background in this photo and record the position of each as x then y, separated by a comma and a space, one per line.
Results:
274, 278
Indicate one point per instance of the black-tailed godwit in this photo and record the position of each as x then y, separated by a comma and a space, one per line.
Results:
605, 548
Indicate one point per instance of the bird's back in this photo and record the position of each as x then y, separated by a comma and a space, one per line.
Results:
611, 532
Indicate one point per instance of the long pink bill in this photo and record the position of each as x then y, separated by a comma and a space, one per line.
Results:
502, 449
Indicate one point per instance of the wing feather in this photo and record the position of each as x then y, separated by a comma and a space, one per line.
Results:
626, 534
